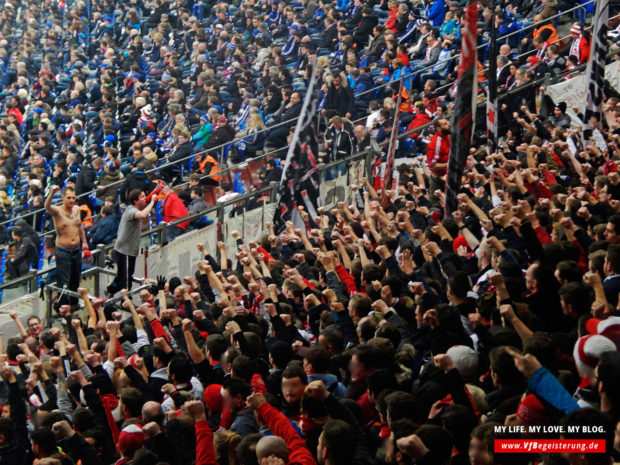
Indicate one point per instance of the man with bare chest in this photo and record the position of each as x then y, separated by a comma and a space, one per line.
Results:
69, 234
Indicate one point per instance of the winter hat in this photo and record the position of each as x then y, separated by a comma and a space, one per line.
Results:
533, 60
561, 106
588, 349
458, 242
465, 360
576, 29
130, 440
532, 411
212, 396
610, 328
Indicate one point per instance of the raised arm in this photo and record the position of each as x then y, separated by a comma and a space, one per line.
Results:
49, 208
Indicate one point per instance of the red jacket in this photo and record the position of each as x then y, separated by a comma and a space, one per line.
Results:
419, 120
280, 426
205, 452
18, 115
173, 208
438, 151
391, 21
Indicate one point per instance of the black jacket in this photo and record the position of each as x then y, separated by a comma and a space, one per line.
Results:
340, 99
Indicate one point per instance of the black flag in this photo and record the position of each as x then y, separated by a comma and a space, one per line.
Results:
462, 121
299, 185
492, 117
595, 73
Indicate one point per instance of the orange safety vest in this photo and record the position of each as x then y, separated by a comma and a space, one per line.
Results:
481, 75
215, 169
88, 218
554, 37
404, 100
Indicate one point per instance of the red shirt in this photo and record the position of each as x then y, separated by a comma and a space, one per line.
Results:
438, 151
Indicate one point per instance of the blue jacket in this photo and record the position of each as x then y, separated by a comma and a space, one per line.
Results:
106, 230
547, 387
437, 12
332, 384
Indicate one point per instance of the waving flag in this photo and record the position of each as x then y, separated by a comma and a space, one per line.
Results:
492, 122
299, 185
462, 120
595, 73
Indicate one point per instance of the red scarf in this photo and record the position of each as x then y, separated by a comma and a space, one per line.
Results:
110, 402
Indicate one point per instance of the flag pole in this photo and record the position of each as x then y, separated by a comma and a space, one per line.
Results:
492, 115
387, 177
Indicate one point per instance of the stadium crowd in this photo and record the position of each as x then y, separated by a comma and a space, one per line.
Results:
384, 331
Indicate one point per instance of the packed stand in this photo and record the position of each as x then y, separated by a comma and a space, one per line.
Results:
107, 98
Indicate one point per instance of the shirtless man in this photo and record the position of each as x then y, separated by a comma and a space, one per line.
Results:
69, 233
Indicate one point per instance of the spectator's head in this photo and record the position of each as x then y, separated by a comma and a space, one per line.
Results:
43, 443
337, 444
280, 354
359, 306
612, 259
235, 393
132, 400
137, 198
269, 446
152, 412
612, 231
216, 346
399, 429
608, 380
130, 440
575, 298
7, 431
364, 359
180, 370
246, 450
592, 424
294, 382
503, 369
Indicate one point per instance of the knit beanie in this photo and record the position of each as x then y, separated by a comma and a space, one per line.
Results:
531, 411
587, 351
130, 440
610, 328
212, 396
465, 361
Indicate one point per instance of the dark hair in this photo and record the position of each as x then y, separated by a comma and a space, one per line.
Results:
437, 440
83, 419
133, 400
569, 270
237, 386
594, 419
402, 405
246, 449
390, 332
503, 365
7, 428
577, 294
381, 379
609, 375
459, 421
216, 345
243, 367
333, 336
613, 252
281, 353
182, 369
44, 438
459, 284
339, 439
134, 195
295, 370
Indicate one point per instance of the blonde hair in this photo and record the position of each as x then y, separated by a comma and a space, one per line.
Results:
256, 121
225, 442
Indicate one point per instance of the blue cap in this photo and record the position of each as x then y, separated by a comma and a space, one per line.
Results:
204, 118
38, 111
108, 18
152, 135
294, 27
110, 138
48, 24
